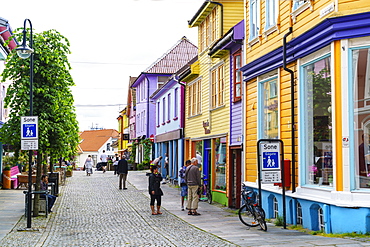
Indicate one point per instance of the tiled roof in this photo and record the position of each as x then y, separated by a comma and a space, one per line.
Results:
93, 140
175, 58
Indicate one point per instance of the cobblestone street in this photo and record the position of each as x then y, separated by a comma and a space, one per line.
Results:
91, 211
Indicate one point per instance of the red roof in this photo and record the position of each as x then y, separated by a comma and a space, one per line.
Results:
93, 140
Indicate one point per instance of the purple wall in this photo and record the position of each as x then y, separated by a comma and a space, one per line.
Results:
236, 123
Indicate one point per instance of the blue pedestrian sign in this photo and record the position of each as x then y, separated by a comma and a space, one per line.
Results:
270, 160
29, 128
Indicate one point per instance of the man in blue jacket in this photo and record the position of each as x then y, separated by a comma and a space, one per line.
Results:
122, 170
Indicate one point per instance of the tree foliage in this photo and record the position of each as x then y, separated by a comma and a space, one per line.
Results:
52, 95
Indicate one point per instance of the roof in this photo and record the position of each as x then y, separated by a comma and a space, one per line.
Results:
93, 140
5, 34
175, 58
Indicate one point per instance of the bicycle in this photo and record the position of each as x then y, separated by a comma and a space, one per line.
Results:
205, 190
251, 214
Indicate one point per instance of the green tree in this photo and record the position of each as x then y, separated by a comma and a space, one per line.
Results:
52, 97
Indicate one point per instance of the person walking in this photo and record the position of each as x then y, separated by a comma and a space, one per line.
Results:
155, 190
192, 177
115, 163
103, 159
183, 185
122, 170
44, 186
88, 165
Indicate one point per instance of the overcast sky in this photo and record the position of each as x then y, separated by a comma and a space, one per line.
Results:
110, 41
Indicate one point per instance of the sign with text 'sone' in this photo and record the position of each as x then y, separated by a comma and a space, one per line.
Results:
270, 160
29, 133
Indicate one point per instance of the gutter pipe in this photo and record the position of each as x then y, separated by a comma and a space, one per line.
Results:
292, 106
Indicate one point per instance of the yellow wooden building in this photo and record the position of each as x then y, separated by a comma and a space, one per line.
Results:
306, 83
123, 129
207, 98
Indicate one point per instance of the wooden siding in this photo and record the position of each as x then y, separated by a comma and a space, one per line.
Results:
233, 14
306, 20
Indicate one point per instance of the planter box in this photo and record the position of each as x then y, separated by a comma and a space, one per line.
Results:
69, 173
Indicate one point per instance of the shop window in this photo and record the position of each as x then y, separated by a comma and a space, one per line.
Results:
220, 163
317, 121
269, 112
361, 115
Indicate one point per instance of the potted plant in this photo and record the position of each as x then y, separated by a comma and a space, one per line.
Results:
69, 171
6, 177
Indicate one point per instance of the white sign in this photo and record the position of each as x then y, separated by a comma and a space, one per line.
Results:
29, 128
345, 141
29, 144
327, 10
270, 155
269, 177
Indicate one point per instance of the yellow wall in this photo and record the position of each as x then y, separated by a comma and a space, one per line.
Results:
304, 21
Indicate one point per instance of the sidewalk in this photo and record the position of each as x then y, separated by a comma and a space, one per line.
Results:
216, 220
11, 209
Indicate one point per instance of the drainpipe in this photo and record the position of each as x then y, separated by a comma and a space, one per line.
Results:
292, 106
222, 15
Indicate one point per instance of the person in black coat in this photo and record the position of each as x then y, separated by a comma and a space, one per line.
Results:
155, 190
122, 170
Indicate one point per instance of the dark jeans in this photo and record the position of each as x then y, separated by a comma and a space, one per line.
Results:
51, 201
153, 198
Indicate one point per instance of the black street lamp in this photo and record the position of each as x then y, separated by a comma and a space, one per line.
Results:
24, 51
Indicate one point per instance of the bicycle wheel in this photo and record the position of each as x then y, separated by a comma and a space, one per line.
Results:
246, 217
209, 197
260, 215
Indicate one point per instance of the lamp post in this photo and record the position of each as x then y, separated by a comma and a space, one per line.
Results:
25, 52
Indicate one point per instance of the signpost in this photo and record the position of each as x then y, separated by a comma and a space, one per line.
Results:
29, 133
271, 166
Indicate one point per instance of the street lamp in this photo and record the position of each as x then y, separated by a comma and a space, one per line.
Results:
24, 51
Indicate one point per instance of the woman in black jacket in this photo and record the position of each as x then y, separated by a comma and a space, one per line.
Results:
155, 189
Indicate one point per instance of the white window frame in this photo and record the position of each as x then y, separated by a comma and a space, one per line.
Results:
254, 19
299, 6
271, 15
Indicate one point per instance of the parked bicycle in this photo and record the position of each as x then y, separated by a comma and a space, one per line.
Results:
251, 214
205, 192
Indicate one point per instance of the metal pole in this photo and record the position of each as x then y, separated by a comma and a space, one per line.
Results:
29, 195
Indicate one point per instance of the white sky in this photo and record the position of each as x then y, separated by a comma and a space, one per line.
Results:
110, 41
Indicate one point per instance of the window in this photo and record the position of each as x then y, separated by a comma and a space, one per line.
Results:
299, 214
269, 109
175, 106
162, 80
194, 100
220, 163
158, 113
163, 110
271, 13
361, 115
276, 208
298, 3
169, 107
321, 219
254, 19
208, 30
317, 121
217, 87
108, 146
237, 76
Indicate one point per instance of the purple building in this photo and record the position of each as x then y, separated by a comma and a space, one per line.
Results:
151, 79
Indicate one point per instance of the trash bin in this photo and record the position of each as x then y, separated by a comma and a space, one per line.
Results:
54, 178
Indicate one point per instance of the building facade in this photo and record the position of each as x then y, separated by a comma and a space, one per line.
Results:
207, 107
305, 83
168, 140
